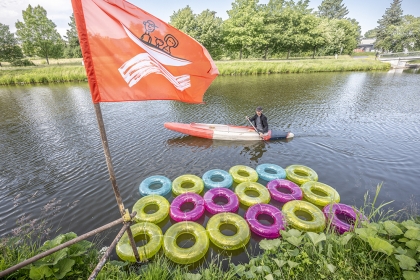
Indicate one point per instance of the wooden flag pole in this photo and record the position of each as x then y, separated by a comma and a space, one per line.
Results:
124, 213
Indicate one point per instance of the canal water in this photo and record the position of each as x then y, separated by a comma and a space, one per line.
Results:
356, 130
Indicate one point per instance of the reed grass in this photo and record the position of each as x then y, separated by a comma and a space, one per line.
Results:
299, 66
73, 71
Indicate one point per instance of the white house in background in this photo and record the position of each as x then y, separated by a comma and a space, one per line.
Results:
366, 45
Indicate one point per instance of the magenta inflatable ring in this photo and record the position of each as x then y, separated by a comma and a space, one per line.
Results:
271, 231
332, 210
274, 185
178, 215
231, 206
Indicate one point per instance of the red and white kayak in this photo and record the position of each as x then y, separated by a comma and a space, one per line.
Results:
225, 132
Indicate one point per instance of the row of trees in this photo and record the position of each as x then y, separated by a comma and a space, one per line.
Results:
396, 32
38, 36
279, 28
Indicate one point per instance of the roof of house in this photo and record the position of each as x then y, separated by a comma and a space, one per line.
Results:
369, 41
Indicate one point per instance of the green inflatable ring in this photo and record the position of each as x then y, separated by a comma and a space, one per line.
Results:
185, 255
124, 250
331, 195
236, 241
300, 174
317, 224
155, 217
252, 175
263, 193
198, 184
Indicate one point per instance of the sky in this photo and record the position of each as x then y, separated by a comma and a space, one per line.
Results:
366, 12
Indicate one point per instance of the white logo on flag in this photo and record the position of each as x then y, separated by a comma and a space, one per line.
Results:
150, 62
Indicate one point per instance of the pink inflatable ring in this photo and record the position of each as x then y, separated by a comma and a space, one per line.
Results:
332, 210
178, 215
271, 231
274, 185
231, 206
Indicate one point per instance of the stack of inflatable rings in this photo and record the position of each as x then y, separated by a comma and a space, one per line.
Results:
208, 179
198, 185
238, 178
231, 206
279, 172
236, 241
145, 189
271, 231
295, 190
332, 210
178, 215
242, 188
331, 195
156, 217
124, 250
185, 255
300, 174
316, 224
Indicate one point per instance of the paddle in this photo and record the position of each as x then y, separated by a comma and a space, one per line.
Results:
256, 130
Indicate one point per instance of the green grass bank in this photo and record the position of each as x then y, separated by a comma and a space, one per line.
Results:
72, 72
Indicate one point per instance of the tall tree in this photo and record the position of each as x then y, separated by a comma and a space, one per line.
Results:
244, 29
386, 27
370, 34
209, 32
9, 48
38, 34
184, 20
332, 9
72, 48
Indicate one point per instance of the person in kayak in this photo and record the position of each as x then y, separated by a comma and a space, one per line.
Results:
259, 120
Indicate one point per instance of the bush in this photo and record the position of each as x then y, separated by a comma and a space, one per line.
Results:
22, 62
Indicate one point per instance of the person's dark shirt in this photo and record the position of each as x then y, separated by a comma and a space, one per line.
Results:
264, 122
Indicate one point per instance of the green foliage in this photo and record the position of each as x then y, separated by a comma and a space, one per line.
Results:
22, 62
9, 48
244, 29
370, 33
400, 241
332, 9
38, 34
387, 26
205, 27
61, 263
184, 20
72, 48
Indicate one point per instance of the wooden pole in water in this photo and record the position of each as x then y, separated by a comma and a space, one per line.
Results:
123, 211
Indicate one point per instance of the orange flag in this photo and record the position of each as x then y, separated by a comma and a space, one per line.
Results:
132, 55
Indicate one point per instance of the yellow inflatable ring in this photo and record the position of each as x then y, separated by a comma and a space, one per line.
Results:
156, 217
263, 193
331, 195
236, 241
300, 174
185, 255
251, 174
317, 224
198, 185
124, 250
